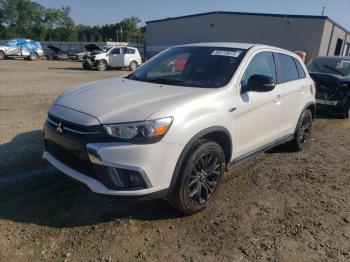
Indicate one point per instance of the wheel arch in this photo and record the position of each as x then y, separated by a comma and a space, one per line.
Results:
312, 107
217, 134
103, 60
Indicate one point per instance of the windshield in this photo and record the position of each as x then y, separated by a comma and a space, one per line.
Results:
330, 66
105, 49
208, 67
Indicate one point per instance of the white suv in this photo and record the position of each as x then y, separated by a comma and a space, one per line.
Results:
112, 57
172, 132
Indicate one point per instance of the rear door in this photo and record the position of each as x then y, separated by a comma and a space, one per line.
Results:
294, 84
129, 56
259, 113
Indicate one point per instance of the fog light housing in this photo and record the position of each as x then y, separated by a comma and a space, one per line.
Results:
126, 179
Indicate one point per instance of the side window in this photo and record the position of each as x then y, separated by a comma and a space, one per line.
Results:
300, 68
289, 71
129, 51
115, 51
262, 64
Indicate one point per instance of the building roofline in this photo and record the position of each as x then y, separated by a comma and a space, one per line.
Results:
255, 14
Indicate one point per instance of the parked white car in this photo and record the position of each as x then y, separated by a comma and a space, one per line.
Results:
92, 48
119, 56
165, 132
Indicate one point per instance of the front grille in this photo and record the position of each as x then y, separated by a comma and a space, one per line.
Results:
74, 128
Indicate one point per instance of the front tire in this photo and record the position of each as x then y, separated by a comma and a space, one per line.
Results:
101, 66
303, 131
200, 177
2, 55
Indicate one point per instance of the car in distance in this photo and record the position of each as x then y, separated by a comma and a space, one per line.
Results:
21, 48
55, 53
169, 133
91, 48
332, 77
114, 57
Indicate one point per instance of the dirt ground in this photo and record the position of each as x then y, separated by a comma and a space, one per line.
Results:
281, 206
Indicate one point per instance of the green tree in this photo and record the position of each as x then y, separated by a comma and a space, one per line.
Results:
130, 29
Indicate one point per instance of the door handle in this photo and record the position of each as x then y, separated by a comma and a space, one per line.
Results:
302, 91
278, 99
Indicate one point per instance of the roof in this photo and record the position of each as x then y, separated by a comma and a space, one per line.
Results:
222, 44
251, 14
334, 57
235, 45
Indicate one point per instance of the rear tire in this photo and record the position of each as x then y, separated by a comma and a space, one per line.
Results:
303, 131
101, 66
133, 66
2, 55
200, 177
33, 57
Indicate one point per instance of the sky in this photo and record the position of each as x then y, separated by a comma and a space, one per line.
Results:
101, 12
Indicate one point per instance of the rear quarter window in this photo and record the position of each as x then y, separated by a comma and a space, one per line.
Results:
288, 68
130, 51
300, 68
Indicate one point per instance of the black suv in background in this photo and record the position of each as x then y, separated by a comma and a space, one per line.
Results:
332, 77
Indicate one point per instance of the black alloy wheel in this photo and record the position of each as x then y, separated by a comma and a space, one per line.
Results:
204, 178
303, 131
199, 178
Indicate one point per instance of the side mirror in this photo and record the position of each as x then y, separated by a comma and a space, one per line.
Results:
260, 83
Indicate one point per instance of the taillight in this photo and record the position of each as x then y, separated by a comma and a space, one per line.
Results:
313, 88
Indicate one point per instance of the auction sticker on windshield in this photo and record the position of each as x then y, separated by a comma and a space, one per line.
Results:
226, 53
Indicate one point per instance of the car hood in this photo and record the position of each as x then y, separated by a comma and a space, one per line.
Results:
92, 47
54, 48
329, 77
120, 100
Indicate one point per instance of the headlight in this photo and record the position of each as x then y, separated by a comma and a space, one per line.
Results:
149, 131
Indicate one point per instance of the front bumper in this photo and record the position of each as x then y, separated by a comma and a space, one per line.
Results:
337, 106
93, 184
89, 61
88, 161
327, 102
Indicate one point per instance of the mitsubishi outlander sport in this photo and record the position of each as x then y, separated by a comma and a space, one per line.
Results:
172, 132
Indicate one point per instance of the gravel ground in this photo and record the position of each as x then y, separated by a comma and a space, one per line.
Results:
27, 90
281, 206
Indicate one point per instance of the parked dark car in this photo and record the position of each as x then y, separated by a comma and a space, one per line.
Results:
332, 77
56, 54
72, 54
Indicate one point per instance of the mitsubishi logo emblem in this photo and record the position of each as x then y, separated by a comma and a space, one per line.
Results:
59, 128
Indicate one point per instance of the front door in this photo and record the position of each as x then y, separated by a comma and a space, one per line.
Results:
116, 57
258, 113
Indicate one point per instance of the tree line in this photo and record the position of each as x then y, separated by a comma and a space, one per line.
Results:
28, 19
